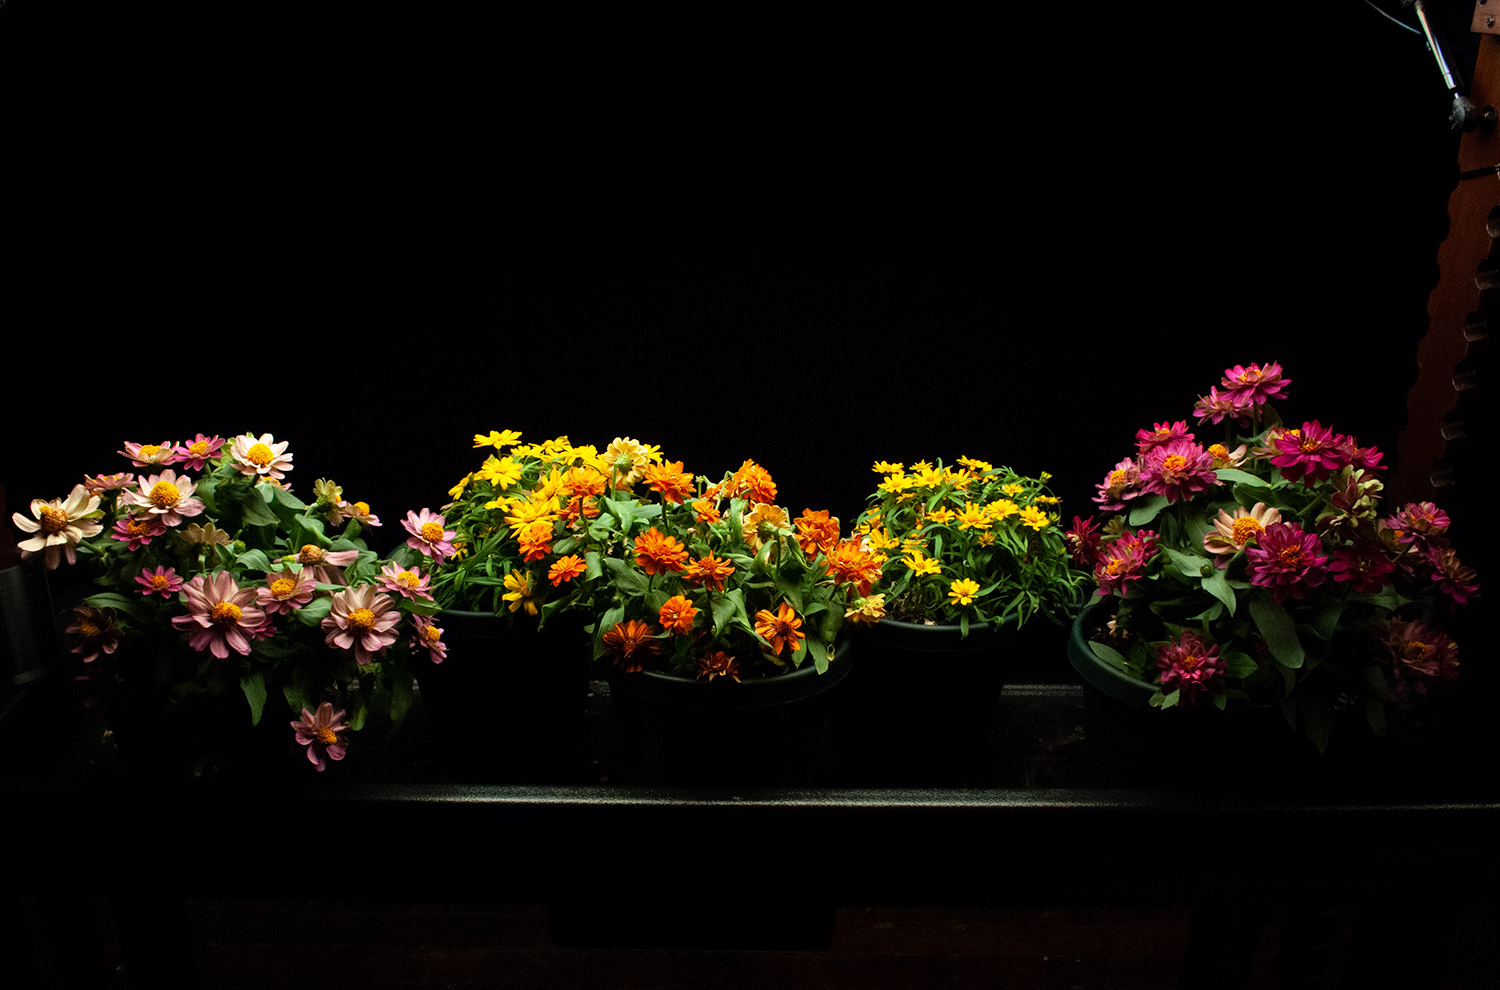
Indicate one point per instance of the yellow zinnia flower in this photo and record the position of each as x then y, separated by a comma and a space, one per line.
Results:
496, 438
1034, 517
920, 564
520, 594
963, 591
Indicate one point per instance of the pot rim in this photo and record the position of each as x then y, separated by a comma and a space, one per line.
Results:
1102, 675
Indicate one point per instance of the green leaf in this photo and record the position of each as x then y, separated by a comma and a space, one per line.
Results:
1238, 664
1277, 629
254, 686
1143, 510
1189, 565
255, 560
1217, 584
1109, 655
1235, 475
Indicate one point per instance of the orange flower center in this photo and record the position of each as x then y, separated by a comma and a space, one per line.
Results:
1416, 652
1290, 556
164, 495
198, 449
53, 519
1190, 662
1219, 451
432, 532
1246, 528
310, 554
1174, 462
283, 586
88, 629
327, 736
1308, 445
160, 582
226, 613
260, 455
362, 618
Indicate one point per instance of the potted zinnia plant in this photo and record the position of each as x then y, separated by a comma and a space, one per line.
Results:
507, 568
1257, 567
969, 554
212, 598
719, 618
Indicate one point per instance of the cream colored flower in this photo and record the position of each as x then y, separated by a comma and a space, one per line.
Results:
1233, 533
626, 459
59, 525
762, 522
261, 456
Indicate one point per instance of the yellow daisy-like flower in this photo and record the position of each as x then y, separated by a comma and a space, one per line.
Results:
1035, 518
942, 515
1002, 509
497, 438
524, 514
457, 491
520, 593
963, 591
920, 564
983, 467
502, 472
886, 467
930, 477
1047, 500
1013, 489
974, 517
986, 538
895, 484
865, 611
626, 458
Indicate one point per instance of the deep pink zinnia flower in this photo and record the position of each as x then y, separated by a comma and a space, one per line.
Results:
198, 451
1287, 560
1419, 655
429, 534
220, 615
361, 619
1363, 565
1120, 563
160, 580
1189, 666
1418, 523
1310, 454
1216, 406
322, 734
1254, 385
1178, 469
1457, 581
1159, 434
1119, 486
1083, 542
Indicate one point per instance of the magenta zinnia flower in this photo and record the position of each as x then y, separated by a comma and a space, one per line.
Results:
1364, 565
428, 635
220, 616
1119, 486
1178, 469
408, 582
1309, 454
322, 734
1216, 406
161, 580
1419, 655
1287, 560
1083, 542
362, 620
1457, 581
1121, 562
198, 451
1189, 666
1418, 522
1254, 385
1159, 434
429, 534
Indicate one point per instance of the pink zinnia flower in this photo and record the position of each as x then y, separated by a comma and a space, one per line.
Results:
326, 566
1287, 560
429, 535
362, 620
220, 615
1457, 581
1190, 666
1255, 384
322, 734
1178, 469
286, 591
1119, 486
1216, 406
109, 482
429, 636
1419, 655
1418, 523
1159, 434
260, 456
1364, 565
199, 451
409, 582
150, 454
1120, 563
159, 581
1309, 454
137, 531
165, 496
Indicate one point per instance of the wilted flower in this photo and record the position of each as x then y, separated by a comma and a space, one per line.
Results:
96, 631
323, 734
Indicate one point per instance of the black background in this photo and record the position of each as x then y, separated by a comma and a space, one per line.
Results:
811, 244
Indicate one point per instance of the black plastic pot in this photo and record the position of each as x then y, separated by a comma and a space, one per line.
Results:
507, 704
29, 645
765, 731
922, 708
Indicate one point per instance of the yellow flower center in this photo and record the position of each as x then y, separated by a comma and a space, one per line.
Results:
226, 613
1174, 462
362, 618
150, 449
327, 736
260, 455
1219, 451
1416, 652
310, 554
362, 508
1308, 446
408, 579
88, 629
198, 449
1246, 528
1190, 662
164, 495
53, 519
432, 532
159, 582
283, 586
433, 634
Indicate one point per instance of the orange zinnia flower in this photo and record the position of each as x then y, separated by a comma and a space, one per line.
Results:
657, 553
535, 540
816, 531
707, 511
718, 664
848, 561
677, 614
669, 479
566, 569
629, 643
709, 571
781, 628
753, 480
